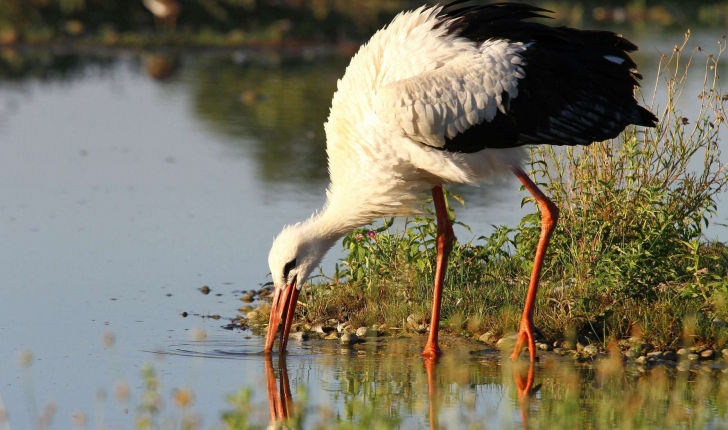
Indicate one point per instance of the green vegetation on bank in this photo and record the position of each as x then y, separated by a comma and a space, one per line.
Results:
629, 257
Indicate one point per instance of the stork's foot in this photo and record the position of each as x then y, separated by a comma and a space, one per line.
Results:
526, 337
431, 351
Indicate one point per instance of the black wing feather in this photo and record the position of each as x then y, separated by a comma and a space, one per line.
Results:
572, 94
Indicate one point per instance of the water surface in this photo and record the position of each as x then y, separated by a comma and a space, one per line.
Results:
121, 195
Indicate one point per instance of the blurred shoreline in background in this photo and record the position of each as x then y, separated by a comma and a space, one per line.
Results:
285, 23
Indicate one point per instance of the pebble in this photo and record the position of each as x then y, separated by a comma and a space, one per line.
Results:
560, 351
205, 290
247, 298
708, 354
362, 331
716, 365
670, 355
422, 328
506, 342
668, 363
682, 351
683, 366
252, 315
332, 336
720, 323
487, 337
632, 353
655, 354
544, 346
641, 360
319, 328
349, 339
725, 353
413, 321
591, 350
299, 336
693, 357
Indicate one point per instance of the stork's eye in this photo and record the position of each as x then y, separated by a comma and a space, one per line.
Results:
287, 268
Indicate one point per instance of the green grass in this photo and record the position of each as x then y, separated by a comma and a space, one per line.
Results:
629, 257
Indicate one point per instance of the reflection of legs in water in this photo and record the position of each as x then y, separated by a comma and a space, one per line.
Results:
431, 367
279, 402
525, 389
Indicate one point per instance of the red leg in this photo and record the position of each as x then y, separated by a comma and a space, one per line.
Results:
524, 388
431, 368
549, 217
445, 236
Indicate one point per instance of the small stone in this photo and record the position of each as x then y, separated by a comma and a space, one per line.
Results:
568, 344
668, 363
506, 342
632, 353
362, 331
670, 356
716, 365
412, 320
655, 354
590, 350
184, 314
560, 351
264, 293
641, 360
205, 290
708, 354
693, 357
487, 337
299, 336
682, 351
247, 298
544, 346
720, 323
349, 339
332, 336
422, 328
725, 353
252, 315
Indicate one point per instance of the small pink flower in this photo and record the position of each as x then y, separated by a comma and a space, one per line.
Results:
372, 234
358, 237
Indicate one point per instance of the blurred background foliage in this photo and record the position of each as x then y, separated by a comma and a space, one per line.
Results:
246, 22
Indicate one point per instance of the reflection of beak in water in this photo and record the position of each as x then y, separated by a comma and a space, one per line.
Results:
525, 389
431, 367
279, 402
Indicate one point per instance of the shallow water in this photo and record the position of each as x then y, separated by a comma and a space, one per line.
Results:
121, 195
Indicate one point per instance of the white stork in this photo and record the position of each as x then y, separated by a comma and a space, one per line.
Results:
452, 95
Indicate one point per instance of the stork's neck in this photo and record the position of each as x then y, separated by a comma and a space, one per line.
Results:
335, 221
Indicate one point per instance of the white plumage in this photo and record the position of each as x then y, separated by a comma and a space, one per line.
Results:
404, 117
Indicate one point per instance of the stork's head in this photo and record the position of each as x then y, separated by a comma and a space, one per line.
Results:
296, 252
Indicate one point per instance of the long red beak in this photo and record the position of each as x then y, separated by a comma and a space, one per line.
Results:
282, 309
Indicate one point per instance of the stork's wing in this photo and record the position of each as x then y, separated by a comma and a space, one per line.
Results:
525, 83
438, 105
